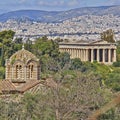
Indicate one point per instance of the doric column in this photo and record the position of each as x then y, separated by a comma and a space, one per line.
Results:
91, 55
77, 53
98, 55
83, 54
109, 55
86, 54
114, 56
65, 49
69, 52
80, 53
72, 52
103, 60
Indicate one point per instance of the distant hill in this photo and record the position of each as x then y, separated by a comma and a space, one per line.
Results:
54, 16
32, 15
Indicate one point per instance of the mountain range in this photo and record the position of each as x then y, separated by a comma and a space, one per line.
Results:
58, 16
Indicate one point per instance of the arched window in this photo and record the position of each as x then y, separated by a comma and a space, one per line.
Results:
30, 71
18, 71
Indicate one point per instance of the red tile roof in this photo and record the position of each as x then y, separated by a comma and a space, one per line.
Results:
7, 86
28, 85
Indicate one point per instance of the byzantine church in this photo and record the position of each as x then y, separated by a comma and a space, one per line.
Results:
22, 73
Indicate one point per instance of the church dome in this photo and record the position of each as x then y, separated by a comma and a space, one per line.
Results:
23, 56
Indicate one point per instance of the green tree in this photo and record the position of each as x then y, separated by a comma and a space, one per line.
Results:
44, 46
6, 46
64, 60
108, 35
76, 64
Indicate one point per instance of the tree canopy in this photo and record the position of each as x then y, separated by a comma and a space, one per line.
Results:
108, 35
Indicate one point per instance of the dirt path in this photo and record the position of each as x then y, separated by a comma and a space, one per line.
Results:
105, 108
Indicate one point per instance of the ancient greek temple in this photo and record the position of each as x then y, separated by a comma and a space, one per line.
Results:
100, 51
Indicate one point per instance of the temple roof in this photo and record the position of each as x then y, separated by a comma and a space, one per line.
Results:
23, 55
84, 44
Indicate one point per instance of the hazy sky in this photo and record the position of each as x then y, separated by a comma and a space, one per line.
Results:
52, 5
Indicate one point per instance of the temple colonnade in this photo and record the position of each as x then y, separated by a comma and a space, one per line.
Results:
103, 53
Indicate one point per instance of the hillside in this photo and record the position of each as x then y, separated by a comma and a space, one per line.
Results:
54, 16
32, 15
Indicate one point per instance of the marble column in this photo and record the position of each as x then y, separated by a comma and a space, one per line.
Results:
72, 52
80, 55
77, 53
86, 54
91, 55
109, 55
103, 54
98, 55
69, 51
114, 55
83, 55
